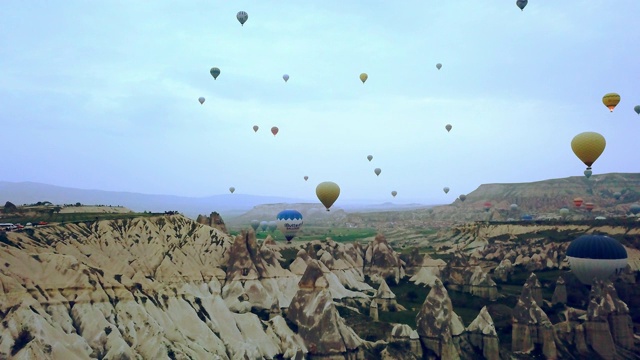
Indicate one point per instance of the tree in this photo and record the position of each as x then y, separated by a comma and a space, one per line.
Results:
57, 209
9, 207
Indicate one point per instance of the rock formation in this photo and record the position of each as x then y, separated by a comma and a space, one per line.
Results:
386, 299
504, 270
214, 220
482, 335
481, 284
382, 263
531, 325
429, 270
316, 318
405, 344
438, 325
560, 292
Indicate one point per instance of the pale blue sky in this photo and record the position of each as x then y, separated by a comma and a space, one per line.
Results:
103, 94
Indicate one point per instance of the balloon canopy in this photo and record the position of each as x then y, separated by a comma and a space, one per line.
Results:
285, 77
588, 146
201, 100
255, 128
369, 157
446, 190
634, 209
438, 66
274, 130
255, 224
596, 257
306, 178
232, 189
364, 77
637, 109
263, 225
462, 197
448, 127
242, 17
289, 223
394, 193
578, 202
610, 100
215, 72
521, 4
377, 171
327, 193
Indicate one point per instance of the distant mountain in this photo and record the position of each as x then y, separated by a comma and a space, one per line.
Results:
228, 205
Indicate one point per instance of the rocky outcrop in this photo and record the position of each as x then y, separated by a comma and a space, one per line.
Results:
404, 344
560, 292
413, 261
125, 289
386, 299
481, 284
255, 276
429, 270
531, 325
382, 263
457, 273
504, 270
214, 220
608, 322
483, 336
316, 318
532, 286
439, 327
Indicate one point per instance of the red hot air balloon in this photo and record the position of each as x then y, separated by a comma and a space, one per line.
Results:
578, 202
487, 206
589, 206
274, 130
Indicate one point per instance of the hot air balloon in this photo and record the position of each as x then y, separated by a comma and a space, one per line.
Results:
577, 202
285, 77
255, 128
617, 195
306, 178
446, 190
521, 4
596, 257
527, 217
289, 222
201, 100
462, 197
634, 209
272, 225
232, 189
487, 206
588, 146
255, 224
637, 109
588, 173
448, 127
438, 66
377, 171
514, 207
242, 17
327, 193
274, 130
564, 212
394, 193
369, 157
215, 72
264, 225
589, 206
610, 100
364, 77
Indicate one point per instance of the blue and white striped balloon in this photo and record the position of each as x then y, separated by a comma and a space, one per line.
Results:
289, 222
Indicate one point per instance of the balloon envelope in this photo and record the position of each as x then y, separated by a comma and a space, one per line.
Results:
438, 66
274, 131
514, 206
617, 195
242, 17
596, 256
564, 212
255, 128
448, 127
255, 224
215, 72
264, 225
327, 193
377, 171
463, 197
232, 189
588, 146
285, 77
610, 100
289, 222
637, 109
364, 77
521, 4
201, 100
394, 193
589, 206
369, 157
578, 202
588, 173
272, 226
634, 209
446, 190
306, 178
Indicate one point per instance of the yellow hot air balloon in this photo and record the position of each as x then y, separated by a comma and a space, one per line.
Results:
364, 77
588, 146
610, 100
327, 193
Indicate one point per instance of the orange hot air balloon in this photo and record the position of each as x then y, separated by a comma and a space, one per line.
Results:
589, 206
274, 130
610, 100
577, 202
